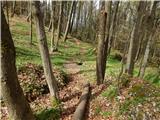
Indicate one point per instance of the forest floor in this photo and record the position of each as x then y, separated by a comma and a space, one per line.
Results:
74, 65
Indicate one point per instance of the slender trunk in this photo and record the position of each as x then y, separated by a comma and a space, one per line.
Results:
31, 22
124, 55
14, 6
139, 48
59, 29
73, 17
151, 29
29, 15
53, 28
133, 41
21, 12
145, 59
50, 24
7, 12
105, 51
13, 95
90, 34
112, 28
51, 81
101, 39
78, 15
69, 21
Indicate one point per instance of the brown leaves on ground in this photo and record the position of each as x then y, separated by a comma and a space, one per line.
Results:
34, 85
137, 99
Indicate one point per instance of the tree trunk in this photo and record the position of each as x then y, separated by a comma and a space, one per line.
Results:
112, 28
21, 7
51, 81
69, 21
7, 11
106, 42
150, 27
139, 47
133, 41
50, 23
78, 15
59, 29
11, 91
53, 27
13, 9
145, 59
102, 45
31, 22
73, 17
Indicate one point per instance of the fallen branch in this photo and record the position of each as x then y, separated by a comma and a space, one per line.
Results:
79, 113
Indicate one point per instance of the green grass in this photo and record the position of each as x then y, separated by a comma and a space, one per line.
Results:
26, 53
84, 52
110, 92
48, 114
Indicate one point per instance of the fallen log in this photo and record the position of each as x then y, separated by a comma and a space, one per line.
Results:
81, 108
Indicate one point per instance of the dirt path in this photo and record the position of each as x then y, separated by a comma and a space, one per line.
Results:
71, 93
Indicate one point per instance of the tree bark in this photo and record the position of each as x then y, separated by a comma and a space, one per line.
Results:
21, 11
13, 95
134, 39
150, 30
31, 22
51, 81
59, 29
69, 21
50, 24
101, 45
145, 59
14, 6
112, 28
7, 11
78, 15
80, 111
53, 27
73, 17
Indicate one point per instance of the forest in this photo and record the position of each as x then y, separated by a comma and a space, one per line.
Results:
80, 60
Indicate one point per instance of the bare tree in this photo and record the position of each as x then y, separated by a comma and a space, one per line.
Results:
150, 30
13, 8
11, 91
78, 15
73, 17
69, 20
104, 23
7, 11
31, 22
59, 25
113, 25
51, 81
53, 26
134, 39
